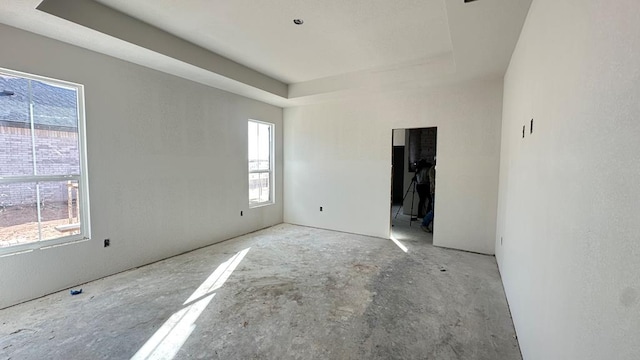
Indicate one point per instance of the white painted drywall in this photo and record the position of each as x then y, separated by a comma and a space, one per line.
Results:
569, 208
167, 166
338, 156
398, 137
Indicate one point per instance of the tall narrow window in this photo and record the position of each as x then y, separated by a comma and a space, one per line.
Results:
43, 179
260, 163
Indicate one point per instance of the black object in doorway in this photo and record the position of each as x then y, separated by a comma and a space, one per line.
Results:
398, 174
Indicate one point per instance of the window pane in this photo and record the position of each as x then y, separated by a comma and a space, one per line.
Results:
259, 188
55, 118
253, 145
18, 214
59, 209
254, 188
264, 146
16, 151
264, 187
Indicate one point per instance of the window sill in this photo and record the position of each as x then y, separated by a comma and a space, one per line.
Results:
254, 206
41, 245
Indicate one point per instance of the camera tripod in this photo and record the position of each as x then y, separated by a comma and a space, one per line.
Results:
412, 186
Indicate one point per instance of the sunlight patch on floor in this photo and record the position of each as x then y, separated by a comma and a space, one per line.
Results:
397, 242
167, 341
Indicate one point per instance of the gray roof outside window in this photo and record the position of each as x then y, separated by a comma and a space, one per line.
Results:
53, 106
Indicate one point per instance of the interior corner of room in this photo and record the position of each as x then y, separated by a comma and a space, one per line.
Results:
238, 142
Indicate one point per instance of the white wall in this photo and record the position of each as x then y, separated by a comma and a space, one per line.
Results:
338, 155
569, 208
399, 137
167, 166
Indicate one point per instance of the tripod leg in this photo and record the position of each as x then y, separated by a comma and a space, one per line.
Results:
413, 196
404, 197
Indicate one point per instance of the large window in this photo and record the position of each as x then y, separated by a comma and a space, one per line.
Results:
43, 179
260, 163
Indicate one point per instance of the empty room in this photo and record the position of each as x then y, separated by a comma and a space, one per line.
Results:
365, 179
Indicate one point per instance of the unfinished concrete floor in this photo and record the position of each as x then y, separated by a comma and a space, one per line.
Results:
296, 293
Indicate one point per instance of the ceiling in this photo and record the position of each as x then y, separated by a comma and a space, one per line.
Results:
337, 36
254, 49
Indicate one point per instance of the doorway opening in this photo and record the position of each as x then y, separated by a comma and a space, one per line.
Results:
414, 155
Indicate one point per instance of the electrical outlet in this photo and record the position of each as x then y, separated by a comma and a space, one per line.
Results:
320, 208
107, 242
241, 213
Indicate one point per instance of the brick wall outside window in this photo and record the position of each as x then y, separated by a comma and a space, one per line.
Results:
56, 153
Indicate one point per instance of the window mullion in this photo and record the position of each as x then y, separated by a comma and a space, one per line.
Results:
33, 130
38, 178
33, 159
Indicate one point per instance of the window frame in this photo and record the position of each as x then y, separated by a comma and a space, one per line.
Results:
270, 171
82, 178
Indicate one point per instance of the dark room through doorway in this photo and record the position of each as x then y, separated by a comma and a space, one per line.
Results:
411, 191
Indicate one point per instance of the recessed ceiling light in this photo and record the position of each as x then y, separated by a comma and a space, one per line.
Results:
298, 21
